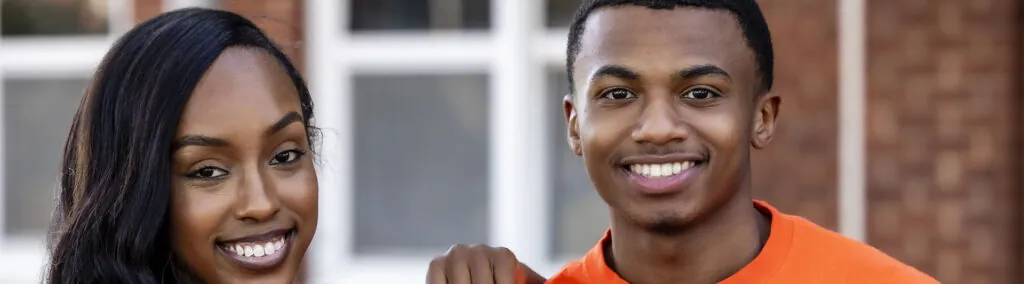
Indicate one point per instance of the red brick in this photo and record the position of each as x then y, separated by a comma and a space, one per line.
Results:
797, 172
949, 220
916, 200
916, 247
980, 249
950, 71
145, 9
282, 20
949, 266
947, 171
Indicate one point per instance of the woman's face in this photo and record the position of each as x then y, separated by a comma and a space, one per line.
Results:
244, 201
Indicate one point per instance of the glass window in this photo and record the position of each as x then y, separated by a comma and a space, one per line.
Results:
37, 116
420, 162
560, 12
53, 17
580, 214
418, 15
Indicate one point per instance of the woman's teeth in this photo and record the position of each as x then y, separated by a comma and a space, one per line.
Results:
661, 170
257, 249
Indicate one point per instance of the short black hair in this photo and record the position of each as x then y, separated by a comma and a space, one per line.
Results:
747, 12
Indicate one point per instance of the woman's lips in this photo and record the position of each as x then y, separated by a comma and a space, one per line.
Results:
261, 252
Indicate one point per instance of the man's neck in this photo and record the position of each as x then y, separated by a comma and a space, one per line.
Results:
708, 252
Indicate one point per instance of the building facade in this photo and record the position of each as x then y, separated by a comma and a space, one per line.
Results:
900, 126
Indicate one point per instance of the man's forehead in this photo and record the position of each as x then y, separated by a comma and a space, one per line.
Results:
623, 28
672, 39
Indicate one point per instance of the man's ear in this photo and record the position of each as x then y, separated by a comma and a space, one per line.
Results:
572, 127
766, 112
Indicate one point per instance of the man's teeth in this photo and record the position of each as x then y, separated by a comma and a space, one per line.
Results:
661, 170
257, 250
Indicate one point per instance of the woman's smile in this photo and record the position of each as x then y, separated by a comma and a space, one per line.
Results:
258, 252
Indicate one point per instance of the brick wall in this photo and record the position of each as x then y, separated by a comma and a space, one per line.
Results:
1020, 139
943, 136
798, 171
282, 20
145, 9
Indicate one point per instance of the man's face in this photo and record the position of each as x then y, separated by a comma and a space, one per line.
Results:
666, 109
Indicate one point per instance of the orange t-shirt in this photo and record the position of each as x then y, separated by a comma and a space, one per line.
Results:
797, 251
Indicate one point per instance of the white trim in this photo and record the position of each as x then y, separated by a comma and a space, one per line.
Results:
551, 48
852, 178
4, 245
392, 51
23, 260
120, 17
329, 83
393, 270
170, 5
52, 57
518, 200
515, 52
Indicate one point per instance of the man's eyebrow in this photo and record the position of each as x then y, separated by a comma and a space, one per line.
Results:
617, 71
688, 73
701, 71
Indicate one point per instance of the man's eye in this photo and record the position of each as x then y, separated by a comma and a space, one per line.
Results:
700, 94
618, 94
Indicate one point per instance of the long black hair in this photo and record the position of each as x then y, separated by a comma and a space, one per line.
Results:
110, 224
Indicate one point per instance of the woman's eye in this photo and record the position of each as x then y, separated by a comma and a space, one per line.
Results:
207, 173
618, 94
286, 157
700, 94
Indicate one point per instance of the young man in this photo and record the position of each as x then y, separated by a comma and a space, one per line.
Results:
668, 99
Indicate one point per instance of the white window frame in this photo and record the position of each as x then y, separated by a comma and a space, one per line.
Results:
23, 260
852, 182
515, 53
170, 5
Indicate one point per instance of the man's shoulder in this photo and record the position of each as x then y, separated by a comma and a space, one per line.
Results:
857, 260
572, 273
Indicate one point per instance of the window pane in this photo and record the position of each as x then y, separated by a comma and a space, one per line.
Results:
420, 162
560, 12
52, 17
580, 214
408, 15
37, 115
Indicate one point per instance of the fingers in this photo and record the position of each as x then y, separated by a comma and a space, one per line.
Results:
480, 269
457, 267
436, 272
505, 266
479, 264
529, 276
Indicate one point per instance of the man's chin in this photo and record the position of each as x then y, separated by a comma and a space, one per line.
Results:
667, 223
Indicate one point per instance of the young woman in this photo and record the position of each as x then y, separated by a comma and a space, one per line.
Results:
188, 160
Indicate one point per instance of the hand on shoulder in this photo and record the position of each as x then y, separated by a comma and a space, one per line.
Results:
480, 264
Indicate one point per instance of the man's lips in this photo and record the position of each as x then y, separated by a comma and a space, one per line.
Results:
662, 174
662, 159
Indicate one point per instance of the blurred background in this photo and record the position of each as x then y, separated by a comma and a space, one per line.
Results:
443, 125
